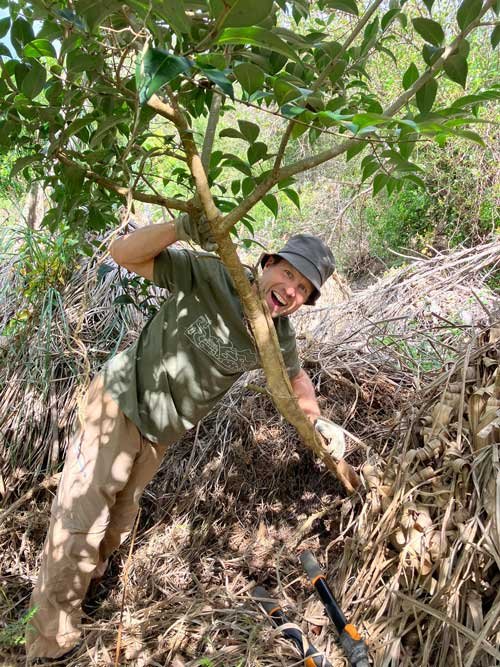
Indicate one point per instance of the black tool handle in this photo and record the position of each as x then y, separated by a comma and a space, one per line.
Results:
317, 578
312, 657
352, 642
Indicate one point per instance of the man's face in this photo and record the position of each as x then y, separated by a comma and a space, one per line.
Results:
284, 288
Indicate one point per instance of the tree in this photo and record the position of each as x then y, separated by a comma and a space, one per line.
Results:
98, 94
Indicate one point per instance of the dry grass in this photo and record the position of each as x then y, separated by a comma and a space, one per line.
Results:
414, 559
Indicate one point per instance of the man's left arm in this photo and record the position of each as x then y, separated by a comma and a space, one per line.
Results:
306, 396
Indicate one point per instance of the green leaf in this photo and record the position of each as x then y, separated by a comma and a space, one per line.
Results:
39, 47
337, 70
468, 134
415, 179
82, 62
250, 77
406, 144
155, 69
370, 34
410, 76
93, 12
495, 37
103, 129
123, 299
368, 119
212, 60
369, 169
173, 12
286, 182
456, 68
272, 204
426, 95
467, 100
388, 17
391, 184
237, 163
220, 80
231, 133
430, 30
240, 13
20, 71
285, 92
4, 51
431, 53
291, 110
4, 26
76, 125
21, 33
104, 269
299, 129
257, 36
34, 81
348, 6
256, 152
354, 150
428, 4
388, 52
72, 177
292, 196
247, 186
379, 182
23, 162
249, 130
468, 11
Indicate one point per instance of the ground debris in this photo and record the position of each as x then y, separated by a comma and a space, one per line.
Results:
414, 559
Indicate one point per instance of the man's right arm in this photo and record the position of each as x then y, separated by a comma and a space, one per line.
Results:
136, 252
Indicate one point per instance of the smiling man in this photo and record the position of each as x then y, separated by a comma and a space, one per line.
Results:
145, 398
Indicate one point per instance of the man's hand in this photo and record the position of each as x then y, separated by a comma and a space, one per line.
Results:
334, 436
187, 228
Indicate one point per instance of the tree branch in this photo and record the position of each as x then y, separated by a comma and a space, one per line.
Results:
108, 184
257, 313
161, 108
435, 67
208, 141
350, 39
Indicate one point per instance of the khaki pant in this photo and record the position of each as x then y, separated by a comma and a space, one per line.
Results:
108, 464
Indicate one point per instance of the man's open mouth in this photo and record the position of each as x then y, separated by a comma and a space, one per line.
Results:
277, 299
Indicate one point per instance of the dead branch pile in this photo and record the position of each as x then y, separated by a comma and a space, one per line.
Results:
46, 370
427, 576
414, 559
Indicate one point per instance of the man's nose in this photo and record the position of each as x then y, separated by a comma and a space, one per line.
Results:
290, 290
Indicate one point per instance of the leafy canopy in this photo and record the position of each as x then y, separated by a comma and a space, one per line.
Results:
77, 86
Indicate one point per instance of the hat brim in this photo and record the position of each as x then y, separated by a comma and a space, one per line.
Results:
304, 266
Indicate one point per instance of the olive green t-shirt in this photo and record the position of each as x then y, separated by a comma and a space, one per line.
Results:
191, 352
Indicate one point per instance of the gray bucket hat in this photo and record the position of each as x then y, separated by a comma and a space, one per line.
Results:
309, 255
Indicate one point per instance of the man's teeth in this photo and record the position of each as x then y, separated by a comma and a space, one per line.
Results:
278, 298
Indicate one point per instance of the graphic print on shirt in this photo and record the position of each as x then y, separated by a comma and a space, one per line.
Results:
201, 333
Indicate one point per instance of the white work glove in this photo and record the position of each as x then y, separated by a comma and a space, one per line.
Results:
198, 231
333, 435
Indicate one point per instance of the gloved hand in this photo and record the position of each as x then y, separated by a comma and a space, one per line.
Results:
333, 435
198, 231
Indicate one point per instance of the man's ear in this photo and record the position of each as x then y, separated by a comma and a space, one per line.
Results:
269, 261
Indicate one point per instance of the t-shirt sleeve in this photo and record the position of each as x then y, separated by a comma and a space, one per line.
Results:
173, 269
288, 345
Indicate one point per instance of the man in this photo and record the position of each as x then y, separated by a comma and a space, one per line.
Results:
185, 360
